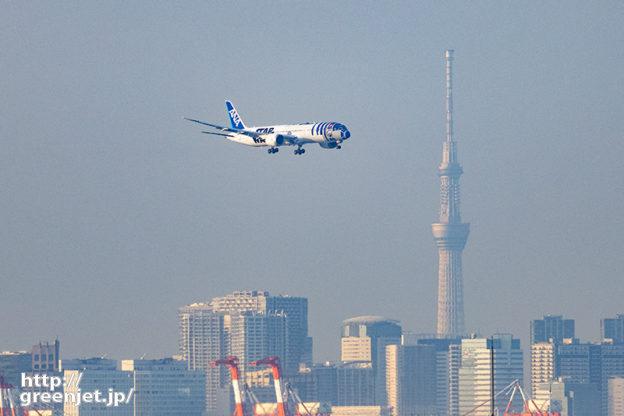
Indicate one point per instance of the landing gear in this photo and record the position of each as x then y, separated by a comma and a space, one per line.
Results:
299, 151
273, 150
338, 147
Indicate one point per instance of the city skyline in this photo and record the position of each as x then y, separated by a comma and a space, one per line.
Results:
377, 363
116, 213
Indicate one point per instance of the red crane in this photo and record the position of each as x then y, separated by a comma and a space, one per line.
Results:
274, 363
7, 393
232, 362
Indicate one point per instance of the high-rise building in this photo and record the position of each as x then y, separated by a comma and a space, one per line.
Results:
254, 336
317, 383
356, 384
166, 387
616, 397
590, 364
578, 363
13, 364
475, 370
545, 335
612, 329
450, 233
611, 366
364, 338
447, 362
542, 365
298, 348
247, 324
453, 360
202, 339
411, 379
45, 357
552, 327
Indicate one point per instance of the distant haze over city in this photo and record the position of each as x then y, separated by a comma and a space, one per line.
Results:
116, 212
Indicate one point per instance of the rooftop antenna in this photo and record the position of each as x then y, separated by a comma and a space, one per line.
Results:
449, 95
492, 375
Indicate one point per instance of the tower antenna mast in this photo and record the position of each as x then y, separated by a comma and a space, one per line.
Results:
450, 234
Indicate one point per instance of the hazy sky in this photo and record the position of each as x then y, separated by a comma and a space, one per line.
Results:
115, 211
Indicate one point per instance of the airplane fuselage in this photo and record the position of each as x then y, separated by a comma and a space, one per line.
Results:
328, 134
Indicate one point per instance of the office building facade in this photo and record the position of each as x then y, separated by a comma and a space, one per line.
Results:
616, 396
364, 339
474, 372
411, 379
552, 328
612, 329
166, 387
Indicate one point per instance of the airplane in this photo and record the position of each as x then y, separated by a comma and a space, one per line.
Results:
328, 135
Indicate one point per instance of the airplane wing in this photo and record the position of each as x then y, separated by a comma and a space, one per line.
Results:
228, 129
288, 139
294, 140
218, 134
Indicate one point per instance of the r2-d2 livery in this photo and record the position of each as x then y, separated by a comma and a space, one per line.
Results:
329, 135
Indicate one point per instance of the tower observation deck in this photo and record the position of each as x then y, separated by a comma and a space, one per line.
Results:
450, 234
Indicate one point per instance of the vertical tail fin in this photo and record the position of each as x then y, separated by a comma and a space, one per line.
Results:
235, 120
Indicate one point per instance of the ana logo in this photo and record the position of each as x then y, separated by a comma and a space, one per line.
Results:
235, 117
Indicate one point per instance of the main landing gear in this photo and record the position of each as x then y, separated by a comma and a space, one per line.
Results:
273, 150
299, 151
338, 147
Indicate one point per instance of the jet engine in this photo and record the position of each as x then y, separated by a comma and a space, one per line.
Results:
329, 145
274, 139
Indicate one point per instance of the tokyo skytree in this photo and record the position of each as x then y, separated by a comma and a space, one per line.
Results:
450, 233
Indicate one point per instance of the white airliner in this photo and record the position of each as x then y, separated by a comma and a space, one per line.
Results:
328, 135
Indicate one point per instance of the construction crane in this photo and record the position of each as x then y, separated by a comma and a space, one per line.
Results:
530, 408
232, 362
6, 397
274, 363
253, 400
298, 403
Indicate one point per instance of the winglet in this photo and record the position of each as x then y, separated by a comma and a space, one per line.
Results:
235, 120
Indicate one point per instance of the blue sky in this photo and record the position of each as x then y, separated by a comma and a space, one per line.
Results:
116, 211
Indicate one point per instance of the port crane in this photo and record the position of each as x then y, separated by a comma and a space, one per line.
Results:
7, 397
232, 362
529, 406
274, 363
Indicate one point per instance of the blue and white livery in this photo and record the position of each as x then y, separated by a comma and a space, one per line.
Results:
328, 135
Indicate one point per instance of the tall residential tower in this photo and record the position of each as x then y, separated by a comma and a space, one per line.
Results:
450, 233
